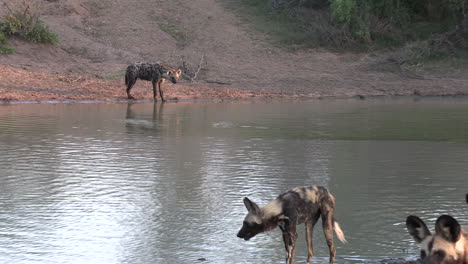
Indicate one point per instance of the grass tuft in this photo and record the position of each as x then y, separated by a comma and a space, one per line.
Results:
174, 28
4, 49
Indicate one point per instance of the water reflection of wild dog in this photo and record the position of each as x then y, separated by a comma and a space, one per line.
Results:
154, 72
296, 206
448, 245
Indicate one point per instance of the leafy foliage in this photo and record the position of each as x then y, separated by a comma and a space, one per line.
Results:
4, 49
415, 31
23, 21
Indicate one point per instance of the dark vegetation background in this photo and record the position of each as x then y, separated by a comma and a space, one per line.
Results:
419, 31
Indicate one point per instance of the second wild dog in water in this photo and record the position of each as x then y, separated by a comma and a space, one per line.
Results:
301, 205
449, 244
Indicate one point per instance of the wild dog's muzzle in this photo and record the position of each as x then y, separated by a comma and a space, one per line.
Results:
173, 80
246, 233
244, 236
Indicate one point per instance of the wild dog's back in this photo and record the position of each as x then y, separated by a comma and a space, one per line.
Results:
307, 201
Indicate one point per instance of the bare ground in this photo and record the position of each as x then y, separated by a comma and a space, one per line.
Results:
99, 38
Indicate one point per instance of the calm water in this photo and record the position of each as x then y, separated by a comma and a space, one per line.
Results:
145, 183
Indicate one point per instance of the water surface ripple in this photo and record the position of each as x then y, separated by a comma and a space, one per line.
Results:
164, 183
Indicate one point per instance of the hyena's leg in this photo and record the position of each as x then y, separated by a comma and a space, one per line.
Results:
154, 90
289, 239
161, 92
130, 84
327, 223
309, 231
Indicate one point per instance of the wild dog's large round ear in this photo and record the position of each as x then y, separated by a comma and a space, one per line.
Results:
448, 228
179, 71
251, 206
417, 228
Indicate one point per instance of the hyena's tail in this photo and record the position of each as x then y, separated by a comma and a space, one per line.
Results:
339, 233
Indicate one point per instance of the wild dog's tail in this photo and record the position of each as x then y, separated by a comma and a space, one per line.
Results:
339, 233
126, 78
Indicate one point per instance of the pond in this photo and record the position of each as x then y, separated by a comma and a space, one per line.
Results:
164, 183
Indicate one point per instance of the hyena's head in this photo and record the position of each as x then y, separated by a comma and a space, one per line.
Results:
173, 75
446, 246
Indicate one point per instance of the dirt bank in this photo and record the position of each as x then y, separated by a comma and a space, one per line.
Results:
99, 38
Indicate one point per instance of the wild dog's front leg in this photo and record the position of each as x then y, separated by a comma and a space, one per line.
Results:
289, 239
290, 246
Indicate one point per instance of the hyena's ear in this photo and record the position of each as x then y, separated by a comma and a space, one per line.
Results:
448, 228
417, 228
251, 206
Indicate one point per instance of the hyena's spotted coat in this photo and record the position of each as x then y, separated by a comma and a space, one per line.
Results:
154, 72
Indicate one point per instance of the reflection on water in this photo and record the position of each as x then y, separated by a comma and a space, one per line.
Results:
164, 183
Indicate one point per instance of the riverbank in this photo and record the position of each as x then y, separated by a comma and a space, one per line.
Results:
230, 61
20, 85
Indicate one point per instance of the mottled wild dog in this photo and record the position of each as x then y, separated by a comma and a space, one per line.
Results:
448, 245
296, 206
154, 72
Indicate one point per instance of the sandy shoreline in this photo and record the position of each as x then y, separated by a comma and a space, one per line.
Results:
23, 86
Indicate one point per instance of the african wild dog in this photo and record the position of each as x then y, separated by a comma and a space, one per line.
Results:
296, 206
154, 72
448, 245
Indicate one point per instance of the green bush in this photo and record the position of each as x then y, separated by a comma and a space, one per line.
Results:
4, 49
23, 21
40, 33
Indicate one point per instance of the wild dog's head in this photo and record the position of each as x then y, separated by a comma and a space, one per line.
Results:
446, 246
258, 219
173, 75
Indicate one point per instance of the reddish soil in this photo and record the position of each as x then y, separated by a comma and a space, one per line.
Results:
99, 38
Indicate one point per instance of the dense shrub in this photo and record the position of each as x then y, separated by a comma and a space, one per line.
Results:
23, 21
413, 30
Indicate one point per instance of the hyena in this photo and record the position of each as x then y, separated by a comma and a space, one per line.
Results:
296, 206
448, 245
154, 72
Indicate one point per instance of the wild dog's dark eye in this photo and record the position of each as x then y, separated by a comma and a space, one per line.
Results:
439, 255
423, 254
